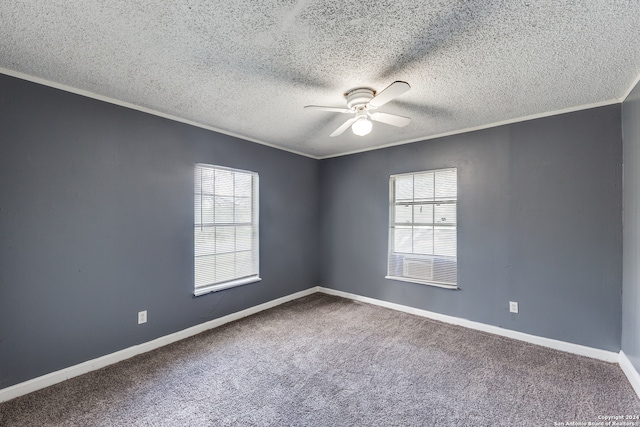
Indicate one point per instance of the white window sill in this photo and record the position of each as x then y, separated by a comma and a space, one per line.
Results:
226, 285
422, 282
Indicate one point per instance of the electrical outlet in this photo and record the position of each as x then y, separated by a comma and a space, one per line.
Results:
142, 317
513, 306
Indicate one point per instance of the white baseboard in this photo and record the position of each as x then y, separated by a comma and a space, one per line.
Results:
595, 353
608, 356
109, 359
630, 371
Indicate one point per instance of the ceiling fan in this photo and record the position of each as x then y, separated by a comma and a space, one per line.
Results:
361, 101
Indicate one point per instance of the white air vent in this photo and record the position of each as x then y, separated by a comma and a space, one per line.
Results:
418, 268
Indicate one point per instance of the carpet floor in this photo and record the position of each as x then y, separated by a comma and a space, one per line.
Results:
328, 361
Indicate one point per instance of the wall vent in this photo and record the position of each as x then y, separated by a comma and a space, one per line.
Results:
418, 268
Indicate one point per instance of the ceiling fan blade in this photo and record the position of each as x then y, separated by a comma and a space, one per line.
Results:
395, 89
332, 109
344, 127
390, 119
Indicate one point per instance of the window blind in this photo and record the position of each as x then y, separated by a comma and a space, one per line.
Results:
423, 227
226, 227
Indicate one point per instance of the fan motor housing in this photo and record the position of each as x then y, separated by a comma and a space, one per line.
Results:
359, 97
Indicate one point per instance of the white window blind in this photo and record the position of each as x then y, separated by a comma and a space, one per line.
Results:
423, 227
226, 228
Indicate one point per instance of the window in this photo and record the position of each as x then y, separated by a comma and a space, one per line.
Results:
423, 228
226, 228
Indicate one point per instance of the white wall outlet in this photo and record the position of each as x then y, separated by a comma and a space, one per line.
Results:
513, 306
142, 317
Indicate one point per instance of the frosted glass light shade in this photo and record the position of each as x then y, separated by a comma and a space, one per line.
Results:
362, 127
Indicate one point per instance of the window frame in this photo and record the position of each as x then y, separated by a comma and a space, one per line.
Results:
254, 223
393, 255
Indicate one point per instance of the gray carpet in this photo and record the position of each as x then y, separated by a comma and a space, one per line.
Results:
328, 361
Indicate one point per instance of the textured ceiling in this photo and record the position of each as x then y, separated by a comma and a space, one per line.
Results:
248, 67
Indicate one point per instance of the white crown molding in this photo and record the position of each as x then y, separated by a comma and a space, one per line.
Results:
476, 128
98, 97
628, 92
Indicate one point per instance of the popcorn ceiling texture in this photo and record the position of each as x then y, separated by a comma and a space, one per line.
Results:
248, 67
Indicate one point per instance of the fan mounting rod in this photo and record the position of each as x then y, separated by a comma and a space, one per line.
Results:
360, 97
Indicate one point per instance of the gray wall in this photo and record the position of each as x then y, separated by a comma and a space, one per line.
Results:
96, 224
631, 219
540, 223
96, 217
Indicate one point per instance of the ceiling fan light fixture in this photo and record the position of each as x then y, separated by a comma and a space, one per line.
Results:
361, 101
362, 127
